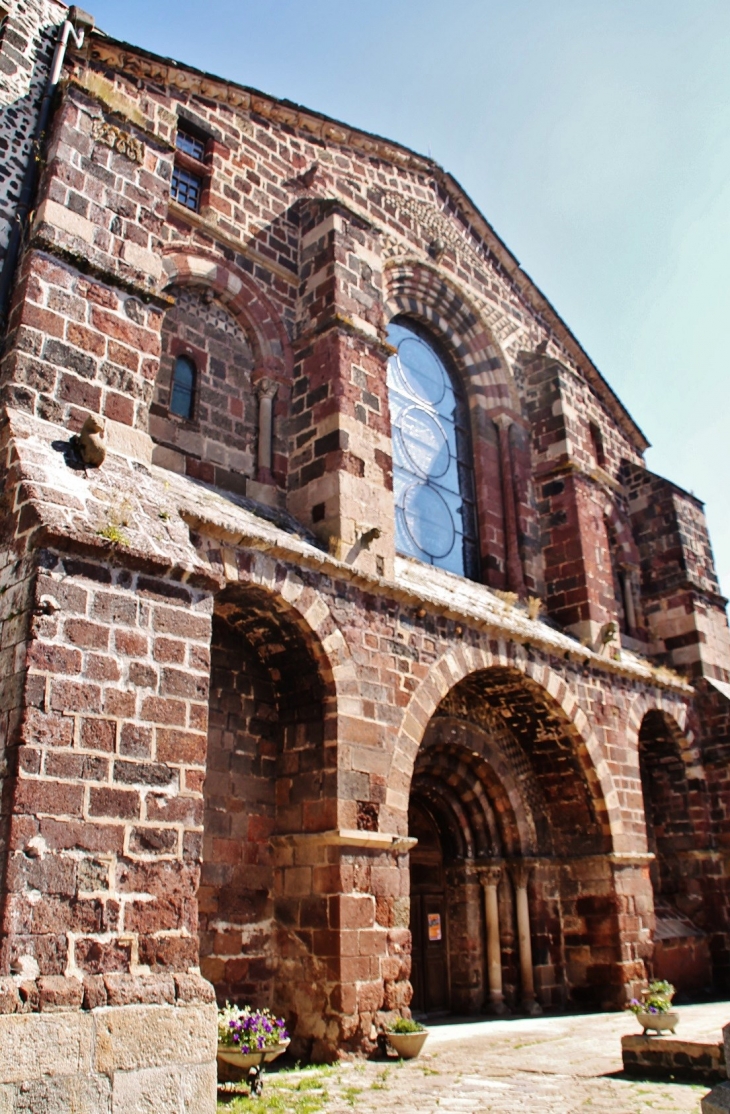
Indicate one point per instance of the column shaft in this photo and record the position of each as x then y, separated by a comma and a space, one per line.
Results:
513, 562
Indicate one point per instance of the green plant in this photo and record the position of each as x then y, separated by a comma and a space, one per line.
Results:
406, 1025
657, 998
113, 533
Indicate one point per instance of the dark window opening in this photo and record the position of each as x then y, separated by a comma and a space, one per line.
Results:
597, 441
186, 188
182, 392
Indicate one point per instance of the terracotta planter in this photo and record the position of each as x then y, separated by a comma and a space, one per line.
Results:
658, 1022
408, 1045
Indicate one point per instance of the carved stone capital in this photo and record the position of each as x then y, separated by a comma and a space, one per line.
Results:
520, 871
490, 875
266, 388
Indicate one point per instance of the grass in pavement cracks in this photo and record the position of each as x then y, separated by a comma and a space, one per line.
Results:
285, 1092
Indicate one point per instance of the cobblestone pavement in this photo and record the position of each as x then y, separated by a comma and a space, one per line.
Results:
556, 1065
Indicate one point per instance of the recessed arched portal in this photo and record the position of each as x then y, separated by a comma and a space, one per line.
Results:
270, 778
511, 880
677, 830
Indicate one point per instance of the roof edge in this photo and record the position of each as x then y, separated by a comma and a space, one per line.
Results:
318, 123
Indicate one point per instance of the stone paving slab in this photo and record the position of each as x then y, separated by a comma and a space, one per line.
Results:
556, 1065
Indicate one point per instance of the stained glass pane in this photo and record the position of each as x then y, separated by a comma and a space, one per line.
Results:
432, 469
183, 388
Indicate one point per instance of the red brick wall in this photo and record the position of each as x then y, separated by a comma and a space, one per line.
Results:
218, 444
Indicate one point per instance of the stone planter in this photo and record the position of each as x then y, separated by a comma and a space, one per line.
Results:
234, 1066
658, 1022
408, 1045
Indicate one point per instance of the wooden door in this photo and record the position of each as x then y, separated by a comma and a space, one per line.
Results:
430, 964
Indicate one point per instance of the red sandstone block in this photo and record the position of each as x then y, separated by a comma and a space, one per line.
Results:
101, 667
68, 696
79, 393
46, 322
49, 797
121, 328
131, 644
168, 620
98, 734
156, 709
90, 636
47, 728
54, 659
119, 408
194, 780
178, 682
87, 339
142, 675
29, 760
124, 356
176, 810
122, 804
198, 717
135, 741
170, 650
115, 609
352, 911
118, 703
62, 835
182, 747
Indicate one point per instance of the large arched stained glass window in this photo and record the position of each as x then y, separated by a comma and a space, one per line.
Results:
433, 476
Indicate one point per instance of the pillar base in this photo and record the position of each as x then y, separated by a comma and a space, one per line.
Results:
496, 1006
532, 1008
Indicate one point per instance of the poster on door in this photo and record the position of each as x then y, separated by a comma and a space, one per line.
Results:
434, 926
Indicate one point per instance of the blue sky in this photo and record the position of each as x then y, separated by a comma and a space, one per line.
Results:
593, 134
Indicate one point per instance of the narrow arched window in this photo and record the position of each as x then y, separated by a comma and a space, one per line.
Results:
182, 389
433, 474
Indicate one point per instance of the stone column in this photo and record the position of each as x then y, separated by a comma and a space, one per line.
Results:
489, 878
520, 875
266, 390
629, 606
513, 563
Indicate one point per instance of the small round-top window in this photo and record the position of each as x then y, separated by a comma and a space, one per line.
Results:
182, 389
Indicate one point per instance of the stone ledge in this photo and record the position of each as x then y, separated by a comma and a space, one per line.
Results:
57, 993
662, 1057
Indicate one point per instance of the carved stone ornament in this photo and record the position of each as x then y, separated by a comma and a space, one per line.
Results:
118, 140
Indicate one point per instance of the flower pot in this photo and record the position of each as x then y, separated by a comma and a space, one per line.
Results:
658, 1022
408, 1045
242, 1061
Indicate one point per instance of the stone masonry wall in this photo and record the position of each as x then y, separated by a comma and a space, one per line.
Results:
26, 49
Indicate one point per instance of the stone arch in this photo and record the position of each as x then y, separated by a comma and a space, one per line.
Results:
456, 665
678, 825
422, 293
499, 433
452, 747
243, 298
276, 668
307, 610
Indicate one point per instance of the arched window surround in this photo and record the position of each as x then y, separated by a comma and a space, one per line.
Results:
439, 476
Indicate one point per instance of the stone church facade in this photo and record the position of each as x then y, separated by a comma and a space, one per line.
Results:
370, 669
